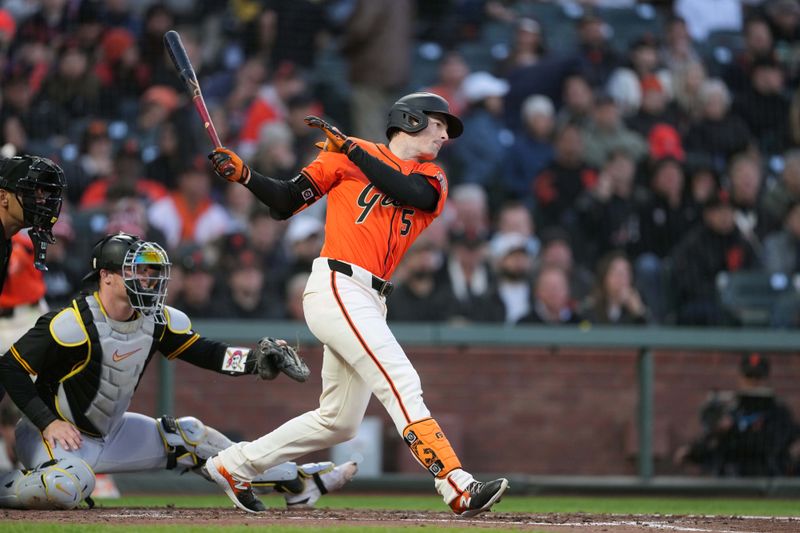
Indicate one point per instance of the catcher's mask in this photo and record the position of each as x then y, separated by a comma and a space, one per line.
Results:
410, 114
145, 270
38, 184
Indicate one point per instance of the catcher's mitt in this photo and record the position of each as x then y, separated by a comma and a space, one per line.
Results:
274, 356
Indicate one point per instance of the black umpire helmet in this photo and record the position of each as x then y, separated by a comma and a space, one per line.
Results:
410, 114
39, 184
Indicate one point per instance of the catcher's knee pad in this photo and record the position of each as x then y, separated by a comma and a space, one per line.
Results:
189, 442
57, 484
430, 447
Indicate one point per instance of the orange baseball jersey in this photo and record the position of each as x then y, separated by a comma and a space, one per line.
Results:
363, 226
25, 284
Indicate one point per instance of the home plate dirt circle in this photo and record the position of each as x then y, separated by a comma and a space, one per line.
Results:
317, 518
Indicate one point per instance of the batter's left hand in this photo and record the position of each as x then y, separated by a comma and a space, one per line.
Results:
336, 140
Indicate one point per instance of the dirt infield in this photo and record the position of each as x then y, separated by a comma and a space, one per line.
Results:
555, 523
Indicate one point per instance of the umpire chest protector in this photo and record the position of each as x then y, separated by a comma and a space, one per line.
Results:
98, 391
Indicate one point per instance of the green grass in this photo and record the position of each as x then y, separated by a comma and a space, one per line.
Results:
510, 504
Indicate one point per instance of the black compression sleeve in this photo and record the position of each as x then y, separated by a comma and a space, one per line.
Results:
278, 195
22, 392
413, 190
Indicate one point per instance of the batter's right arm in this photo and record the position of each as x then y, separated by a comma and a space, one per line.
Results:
282, 197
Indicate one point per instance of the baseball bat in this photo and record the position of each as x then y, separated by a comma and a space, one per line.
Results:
172, 41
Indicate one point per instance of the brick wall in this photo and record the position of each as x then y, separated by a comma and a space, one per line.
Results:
530, 411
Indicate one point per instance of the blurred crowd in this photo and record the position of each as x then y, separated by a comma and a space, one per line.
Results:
620, 161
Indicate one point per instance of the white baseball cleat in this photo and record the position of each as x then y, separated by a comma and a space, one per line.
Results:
319, 479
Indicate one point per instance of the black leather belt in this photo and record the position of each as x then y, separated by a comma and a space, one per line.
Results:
6, 312
383, 287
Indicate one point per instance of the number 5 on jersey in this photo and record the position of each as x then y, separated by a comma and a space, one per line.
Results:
367, 201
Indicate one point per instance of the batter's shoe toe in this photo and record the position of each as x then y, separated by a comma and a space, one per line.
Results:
479, 497
319, 479
240, 492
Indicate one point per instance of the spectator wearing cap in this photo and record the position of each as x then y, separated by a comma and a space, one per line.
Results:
783, 192
713, 247
764, 106
468, 281
719, 133
527, 46
614, 298
189, 214
532, 149
243, 295
655, 108
156, 106
746, 432
607, 132
303, 238
513, 267
627, 83
608, 215
595, 56
664, 218
122, 74
304, 138
478, 155
557, 187
198, 282
782, 248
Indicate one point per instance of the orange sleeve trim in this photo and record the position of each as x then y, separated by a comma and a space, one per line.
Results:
184, 346
22, 361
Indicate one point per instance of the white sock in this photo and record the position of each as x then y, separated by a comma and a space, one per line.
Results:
452, 485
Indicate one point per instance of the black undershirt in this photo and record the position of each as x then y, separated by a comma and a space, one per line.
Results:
414, 190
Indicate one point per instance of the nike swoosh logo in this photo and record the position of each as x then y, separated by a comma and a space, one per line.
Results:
117, 357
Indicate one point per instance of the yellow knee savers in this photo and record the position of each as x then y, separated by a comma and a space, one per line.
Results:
430, 447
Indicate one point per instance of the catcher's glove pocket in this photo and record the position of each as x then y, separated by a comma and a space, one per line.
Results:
275, 355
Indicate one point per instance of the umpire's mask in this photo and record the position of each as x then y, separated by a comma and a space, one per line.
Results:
145, 271
39, 185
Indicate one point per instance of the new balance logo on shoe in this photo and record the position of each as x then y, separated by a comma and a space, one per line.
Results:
479, 497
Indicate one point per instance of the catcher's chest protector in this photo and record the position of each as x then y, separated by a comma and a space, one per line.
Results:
98, 392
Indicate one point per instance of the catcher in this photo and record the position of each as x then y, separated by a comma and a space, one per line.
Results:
87, 360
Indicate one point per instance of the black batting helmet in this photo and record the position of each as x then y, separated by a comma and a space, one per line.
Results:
410, 114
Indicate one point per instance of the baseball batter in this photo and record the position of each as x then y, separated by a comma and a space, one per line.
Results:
87, 360
380, 198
